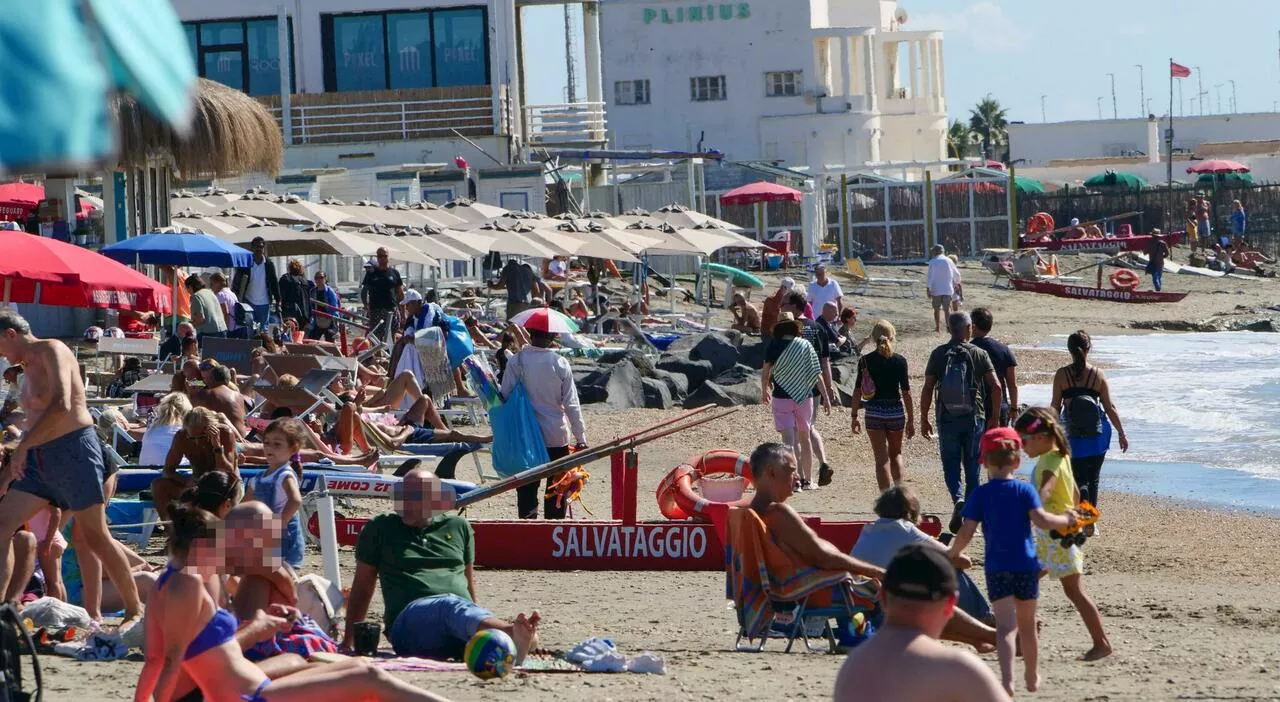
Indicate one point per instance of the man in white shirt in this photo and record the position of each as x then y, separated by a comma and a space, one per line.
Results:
548, 381
823, 290
258, 284
941, 282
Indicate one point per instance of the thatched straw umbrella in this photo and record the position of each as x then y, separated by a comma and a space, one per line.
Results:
232, 133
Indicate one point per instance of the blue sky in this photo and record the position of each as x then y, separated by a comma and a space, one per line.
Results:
1018, 50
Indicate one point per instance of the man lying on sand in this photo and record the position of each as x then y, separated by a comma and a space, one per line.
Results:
904, 661
431, 612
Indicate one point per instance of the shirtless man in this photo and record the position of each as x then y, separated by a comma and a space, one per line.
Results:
746, 318
904, 661
208, 442
219, 396
59, 460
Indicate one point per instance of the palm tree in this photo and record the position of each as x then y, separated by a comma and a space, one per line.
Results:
990, 120
959, 138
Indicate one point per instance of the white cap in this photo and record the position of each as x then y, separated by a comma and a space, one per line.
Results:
411, 296
787, 283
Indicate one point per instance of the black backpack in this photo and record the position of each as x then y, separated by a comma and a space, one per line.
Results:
15, 641
1083, 414
957, 393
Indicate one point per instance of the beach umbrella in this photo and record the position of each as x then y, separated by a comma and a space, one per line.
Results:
62, 59
174, 249
435, 247
472, 242
629, 241
46, 271
761, 192
734, 239
545, 319
590, 244
319, 240
323, 214
1028, 186
473, 212
517, 241
268, 207
195, 205
436, 215
212, 224
1221, 178
1218, 166
682, 217
1116, 179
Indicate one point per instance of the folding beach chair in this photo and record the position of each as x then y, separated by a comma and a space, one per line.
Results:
863, 281
775, 597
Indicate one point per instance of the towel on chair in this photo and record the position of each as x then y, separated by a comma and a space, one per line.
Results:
758, 573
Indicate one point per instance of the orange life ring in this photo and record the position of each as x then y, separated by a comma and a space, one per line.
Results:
676, 497
1125, 279
1040, 223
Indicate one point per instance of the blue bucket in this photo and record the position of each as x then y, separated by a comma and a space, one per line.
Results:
772, 262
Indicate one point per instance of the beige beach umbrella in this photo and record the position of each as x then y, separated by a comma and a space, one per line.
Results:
436, 215
632, 243
434, 246
323, 214
212, 224
739, 241
184, 201
473, 212
682, 217
471, 242
268, 207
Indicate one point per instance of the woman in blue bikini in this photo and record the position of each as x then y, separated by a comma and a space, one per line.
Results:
204, 646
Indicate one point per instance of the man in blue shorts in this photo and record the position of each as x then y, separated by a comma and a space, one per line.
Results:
59, 460
424, 559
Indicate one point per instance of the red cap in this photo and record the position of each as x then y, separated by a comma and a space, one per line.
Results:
1000, 438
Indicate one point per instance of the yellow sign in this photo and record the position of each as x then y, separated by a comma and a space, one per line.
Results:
697, 13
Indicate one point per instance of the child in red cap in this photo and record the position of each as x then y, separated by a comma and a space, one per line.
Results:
1006, 508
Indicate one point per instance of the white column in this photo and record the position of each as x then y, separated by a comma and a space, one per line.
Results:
846, 66
942, 79
870, 72
591, 44
913, 49
821, 66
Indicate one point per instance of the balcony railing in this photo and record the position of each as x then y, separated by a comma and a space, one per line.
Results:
576, 123
336, 118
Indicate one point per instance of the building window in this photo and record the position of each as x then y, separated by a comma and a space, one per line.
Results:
782, 84
631, 92
400, 50
706, 88
241, 53
514, 201
437, 196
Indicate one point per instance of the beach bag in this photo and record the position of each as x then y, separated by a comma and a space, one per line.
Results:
957, 395
1084, 417
868, 386
797, 370
457, 343
517, 438
14, 638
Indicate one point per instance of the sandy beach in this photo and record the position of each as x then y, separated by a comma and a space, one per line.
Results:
1187, 593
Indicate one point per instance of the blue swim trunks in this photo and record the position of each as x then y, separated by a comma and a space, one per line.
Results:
421, 435
1015, 584
68, 471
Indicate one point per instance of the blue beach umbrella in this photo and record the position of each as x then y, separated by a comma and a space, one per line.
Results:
59, 59
193, 250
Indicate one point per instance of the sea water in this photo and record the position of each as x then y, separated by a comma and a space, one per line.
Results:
1202, 413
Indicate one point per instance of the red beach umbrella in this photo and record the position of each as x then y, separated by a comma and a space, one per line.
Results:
545, 319
1218, 166
36, 269
760, 191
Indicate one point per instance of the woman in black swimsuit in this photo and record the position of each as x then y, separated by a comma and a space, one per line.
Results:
1083, 400
885, 391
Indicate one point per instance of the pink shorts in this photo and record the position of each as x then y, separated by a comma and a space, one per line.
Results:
790, 414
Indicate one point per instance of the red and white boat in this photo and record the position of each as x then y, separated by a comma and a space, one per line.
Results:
1112, 246
1084, 292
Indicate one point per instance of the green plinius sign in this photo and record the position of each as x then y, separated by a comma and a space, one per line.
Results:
683, 14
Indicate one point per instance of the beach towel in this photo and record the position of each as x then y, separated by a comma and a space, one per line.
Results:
759, 573
797, 370
304, 638
433, 362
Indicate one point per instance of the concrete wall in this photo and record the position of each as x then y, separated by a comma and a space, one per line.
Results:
1041, 143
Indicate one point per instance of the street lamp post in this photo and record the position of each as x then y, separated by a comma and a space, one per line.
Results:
1115, 109
1099, 108
1200, 88
1218, 89
1234, 104
1142, 91
1042, 111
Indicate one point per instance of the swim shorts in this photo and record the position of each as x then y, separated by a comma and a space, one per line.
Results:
885, 415
941, 302
789, 414
436, 627
1059, 561
1018, 585
67, 471
421, 435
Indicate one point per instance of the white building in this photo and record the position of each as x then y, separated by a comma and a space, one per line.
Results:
1041, 144
822, 83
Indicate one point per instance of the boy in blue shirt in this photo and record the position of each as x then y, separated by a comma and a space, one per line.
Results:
1006, 508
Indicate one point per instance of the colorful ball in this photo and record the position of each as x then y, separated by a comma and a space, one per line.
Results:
490, 654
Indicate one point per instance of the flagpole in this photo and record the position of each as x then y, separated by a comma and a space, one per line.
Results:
1173, 222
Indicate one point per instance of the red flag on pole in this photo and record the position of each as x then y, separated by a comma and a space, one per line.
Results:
1178, 70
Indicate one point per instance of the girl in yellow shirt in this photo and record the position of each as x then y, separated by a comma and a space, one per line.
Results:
1044, 439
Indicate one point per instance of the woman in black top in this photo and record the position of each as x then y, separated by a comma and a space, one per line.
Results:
296, 294
885, 391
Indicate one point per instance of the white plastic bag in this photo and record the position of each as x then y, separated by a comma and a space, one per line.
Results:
52, 613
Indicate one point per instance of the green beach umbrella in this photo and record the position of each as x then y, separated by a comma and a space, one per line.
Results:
1028, 186
1221, 178
1116, 179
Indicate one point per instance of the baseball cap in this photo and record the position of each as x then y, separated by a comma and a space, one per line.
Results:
411, 296
1000, 438
787, 283
920, 573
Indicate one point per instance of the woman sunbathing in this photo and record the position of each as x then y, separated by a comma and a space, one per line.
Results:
187, 633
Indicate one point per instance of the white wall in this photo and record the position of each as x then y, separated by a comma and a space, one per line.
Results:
394, 153
1041, 143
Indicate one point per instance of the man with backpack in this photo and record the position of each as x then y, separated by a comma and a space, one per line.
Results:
968, 395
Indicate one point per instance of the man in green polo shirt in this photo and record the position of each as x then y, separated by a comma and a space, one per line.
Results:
424, 559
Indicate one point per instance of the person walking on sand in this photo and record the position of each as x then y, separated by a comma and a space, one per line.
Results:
884, 388
1043, 439
1082, 398
795, 303
823, 290
1157, 251
968, 395
59, 460
787, 382
940, 284
1006, 364
904, 661
1006, 507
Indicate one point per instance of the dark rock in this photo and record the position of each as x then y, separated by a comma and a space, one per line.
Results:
625, 389
591, 386
844, 369
742, 394
717, 349
752, 355
698, 372
708, 394
739, 374
656, 394
677, 384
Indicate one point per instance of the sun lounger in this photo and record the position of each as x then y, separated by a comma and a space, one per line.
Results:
775, 597
863, 281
